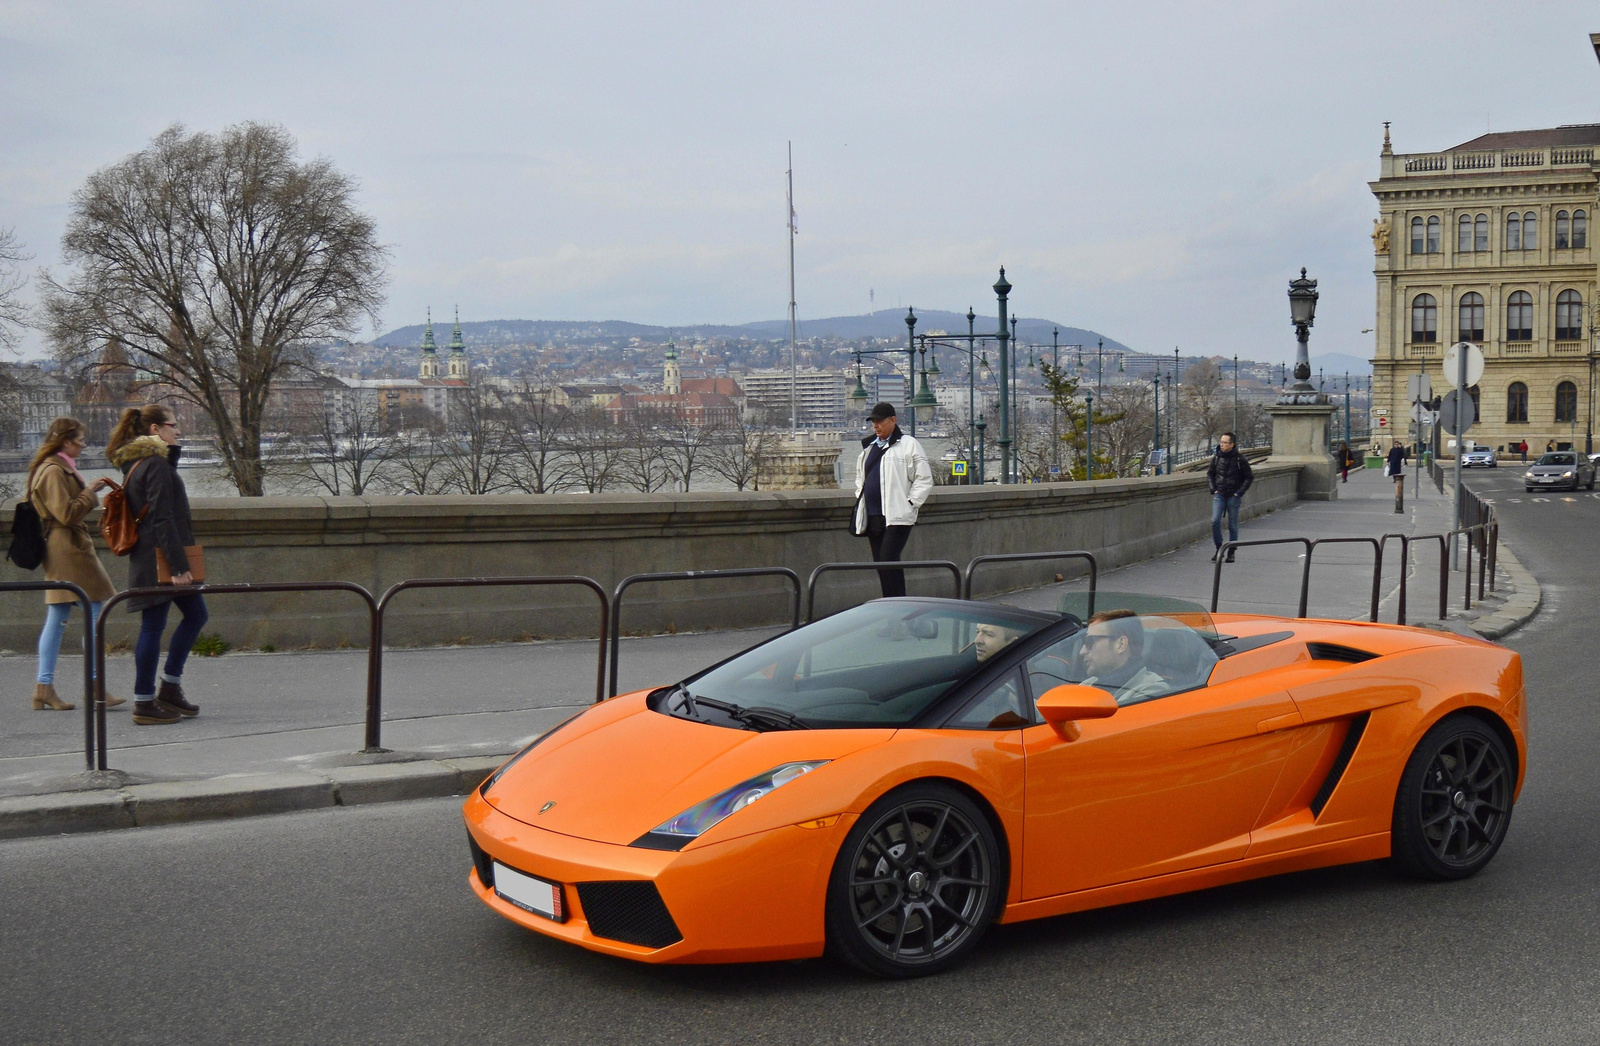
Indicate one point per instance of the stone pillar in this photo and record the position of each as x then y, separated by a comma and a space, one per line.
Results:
1300, 437
804, 461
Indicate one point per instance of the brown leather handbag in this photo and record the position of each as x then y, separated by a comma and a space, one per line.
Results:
197, 565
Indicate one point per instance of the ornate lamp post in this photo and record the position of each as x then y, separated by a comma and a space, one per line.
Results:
911, 365
1001, 290
1016, 403
1088, 434
1303, 314
1236, 399
981, 426
1156, 443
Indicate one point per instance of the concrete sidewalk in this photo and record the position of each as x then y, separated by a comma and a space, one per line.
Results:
283, 731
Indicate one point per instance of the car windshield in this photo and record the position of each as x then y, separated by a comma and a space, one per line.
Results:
880, 664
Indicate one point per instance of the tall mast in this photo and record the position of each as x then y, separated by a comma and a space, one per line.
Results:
794, 369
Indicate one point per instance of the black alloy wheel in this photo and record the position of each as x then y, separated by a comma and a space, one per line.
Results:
1455, 799
916, 883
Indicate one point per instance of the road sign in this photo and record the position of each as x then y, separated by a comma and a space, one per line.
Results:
1383, 422
1452, 363
1447, 412
1421, 413
958, 468
1380, 412
1419, 388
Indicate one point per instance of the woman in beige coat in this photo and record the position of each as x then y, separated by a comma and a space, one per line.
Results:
64, 500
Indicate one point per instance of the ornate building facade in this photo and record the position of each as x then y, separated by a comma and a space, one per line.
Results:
1491, 242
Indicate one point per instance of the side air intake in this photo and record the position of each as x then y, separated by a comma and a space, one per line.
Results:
1335, 652
1341, 762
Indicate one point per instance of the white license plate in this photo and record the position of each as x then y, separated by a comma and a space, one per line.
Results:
528, 893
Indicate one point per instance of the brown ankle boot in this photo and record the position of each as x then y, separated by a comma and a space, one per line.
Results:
112, 702
44, 696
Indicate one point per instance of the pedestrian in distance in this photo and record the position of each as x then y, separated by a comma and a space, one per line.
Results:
63, 499
1549, 448
1523, 449
1395, 467
144, 446
893, 479
1228, 477
1346, 459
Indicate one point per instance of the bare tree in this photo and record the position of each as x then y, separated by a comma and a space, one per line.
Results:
593, 448
476, 451
642, 462
535, 428
1206, 413
688, 442
342, 448
216, 260
418, 462
742, 452
1128, 430
13, 314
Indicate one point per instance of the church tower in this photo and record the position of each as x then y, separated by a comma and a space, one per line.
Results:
673, 378
430, 352
458, 352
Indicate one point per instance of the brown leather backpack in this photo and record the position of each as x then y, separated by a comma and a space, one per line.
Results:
118, 525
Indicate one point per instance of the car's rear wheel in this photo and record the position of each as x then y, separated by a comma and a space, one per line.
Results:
1455, 798
917, 882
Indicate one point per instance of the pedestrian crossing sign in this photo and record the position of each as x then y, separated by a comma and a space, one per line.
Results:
958, 468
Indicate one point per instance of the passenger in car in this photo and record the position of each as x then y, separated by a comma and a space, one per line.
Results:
991, 639
1113, 651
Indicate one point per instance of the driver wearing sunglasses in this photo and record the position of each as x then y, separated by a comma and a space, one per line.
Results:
1113, 650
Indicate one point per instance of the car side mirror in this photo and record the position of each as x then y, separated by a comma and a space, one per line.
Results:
1064, 705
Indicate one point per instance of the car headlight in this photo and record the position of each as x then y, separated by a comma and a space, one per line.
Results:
1527, 475
701, 817
1566, 475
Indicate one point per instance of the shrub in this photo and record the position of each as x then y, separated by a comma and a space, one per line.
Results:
209, 644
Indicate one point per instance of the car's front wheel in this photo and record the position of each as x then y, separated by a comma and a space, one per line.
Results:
917, 882
1454, 804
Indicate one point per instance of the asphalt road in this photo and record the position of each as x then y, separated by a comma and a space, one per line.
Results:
355, 925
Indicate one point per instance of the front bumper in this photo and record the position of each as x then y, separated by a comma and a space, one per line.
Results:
754, 898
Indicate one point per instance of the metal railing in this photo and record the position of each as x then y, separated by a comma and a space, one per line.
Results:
687, 575
1229, 546
1020, 557
375, 655
89, 628
910, 564
174, 591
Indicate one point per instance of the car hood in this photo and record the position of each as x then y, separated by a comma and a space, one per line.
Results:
621, 769
1551, 470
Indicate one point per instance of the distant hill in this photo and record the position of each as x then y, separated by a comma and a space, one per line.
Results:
1332, 363
885, 323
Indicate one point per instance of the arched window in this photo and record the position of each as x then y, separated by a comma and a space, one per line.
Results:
1563, 230
1530, 231
1566, 402
1464, 234
1433, 235
1416, 236
1519, 317
1517, 402
1424, 318
1513, 231
1580, 229
1569, 316
1480, 233
1469, 326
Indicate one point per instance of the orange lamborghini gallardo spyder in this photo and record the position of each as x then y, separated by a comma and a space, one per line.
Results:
883, 784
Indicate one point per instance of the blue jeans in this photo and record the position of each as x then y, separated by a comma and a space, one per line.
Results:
147, 651
55, 622
1219, 504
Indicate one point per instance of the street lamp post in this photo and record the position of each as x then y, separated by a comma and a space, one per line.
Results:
1001, 290
1347, 409
1055, 420
1156, 444
1016, 404
981, 426
1588, 427
1303, 314
972, 382
911, 365
1236, 399
1088, 425
1175, 432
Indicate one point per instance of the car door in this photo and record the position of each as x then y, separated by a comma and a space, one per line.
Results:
1162, 786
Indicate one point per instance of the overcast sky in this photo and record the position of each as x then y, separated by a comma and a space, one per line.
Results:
1154, 171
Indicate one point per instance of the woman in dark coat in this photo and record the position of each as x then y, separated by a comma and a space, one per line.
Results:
144, 446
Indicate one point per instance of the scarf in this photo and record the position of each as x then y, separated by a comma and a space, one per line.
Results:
72, 463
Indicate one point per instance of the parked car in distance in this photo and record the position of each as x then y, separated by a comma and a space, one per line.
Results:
1559, 468
1479, 456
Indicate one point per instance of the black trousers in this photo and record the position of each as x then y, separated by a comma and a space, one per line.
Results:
887, 544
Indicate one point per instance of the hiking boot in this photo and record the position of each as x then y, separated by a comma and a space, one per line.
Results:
171, 696
1230, 555
1217, 554
44, 696
154, 713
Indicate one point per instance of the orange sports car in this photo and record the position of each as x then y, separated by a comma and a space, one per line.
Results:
883, 784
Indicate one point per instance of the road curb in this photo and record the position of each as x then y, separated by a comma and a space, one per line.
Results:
245, 795
1520, 607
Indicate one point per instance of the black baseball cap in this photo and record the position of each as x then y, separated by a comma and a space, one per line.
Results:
881, 412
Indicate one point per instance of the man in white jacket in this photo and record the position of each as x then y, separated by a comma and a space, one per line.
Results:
893, 479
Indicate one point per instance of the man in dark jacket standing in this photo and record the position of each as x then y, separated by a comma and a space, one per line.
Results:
1228, 476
